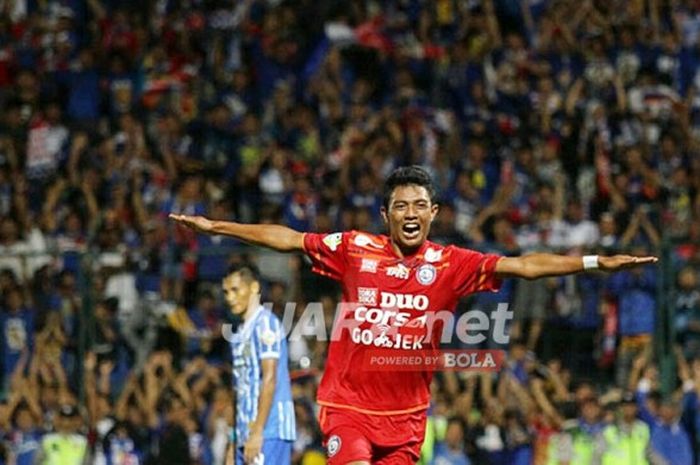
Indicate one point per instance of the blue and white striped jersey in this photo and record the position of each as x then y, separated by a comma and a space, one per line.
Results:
259, 338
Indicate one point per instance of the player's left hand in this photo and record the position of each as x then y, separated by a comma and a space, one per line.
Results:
253, 447
622, 262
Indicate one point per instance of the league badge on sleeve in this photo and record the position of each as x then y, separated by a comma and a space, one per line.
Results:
268, 337
426, 274
332, 241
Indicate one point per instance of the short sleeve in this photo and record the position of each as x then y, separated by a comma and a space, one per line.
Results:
268, 336
328, 253
474, 271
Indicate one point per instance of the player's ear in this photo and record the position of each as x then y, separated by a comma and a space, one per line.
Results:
385, 215
434, 208
254, 299
255, 287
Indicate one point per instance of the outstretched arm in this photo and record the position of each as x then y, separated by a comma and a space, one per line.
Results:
540, 265
273, 236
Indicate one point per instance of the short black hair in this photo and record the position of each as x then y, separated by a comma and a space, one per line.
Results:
408, 175
247, 271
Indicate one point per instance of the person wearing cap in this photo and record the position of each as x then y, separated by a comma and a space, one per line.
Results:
627, 441
65, 446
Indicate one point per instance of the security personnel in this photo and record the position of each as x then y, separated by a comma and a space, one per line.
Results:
66, 446
626, 442
575, 443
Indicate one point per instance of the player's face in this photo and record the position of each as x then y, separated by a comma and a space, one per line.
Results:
238, 293
409, 216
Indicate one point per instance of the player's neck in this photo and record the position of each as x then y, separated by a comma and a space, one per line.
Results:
404, 252
250, 312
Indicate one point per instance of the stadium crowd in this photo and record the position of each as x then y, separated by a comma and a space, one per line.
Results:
570, 126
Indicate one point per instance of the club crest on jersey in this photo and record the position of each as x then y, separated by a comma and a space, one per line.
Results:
399, 271
432, 255
367, 295
426, 274
368, 265
362, 240
333, 445
332, 241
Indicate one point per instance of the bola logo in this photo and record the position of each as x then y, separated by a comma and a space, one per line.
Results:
426, 274
333, 445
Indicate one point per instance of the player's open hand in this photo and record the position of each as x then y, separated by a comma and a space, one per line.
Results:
198, 223
622, 262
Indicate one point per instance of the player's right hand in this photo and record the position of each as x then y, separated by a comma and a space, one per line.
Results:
198, 223
623, 262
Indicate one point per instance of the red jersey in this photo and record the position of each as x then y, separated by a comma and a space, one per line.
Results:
382, 289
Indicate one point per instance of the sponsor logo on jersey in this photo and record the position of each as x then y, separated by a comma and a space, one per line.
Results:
426, 274
332, 241
367, 295
368, 265
404, 301
383, 338
387, 317
334, 444
362, 240
432, 255
399, 271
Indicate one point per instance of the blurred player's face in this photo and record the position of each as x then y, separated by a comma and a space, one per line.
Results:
239, 293
409, 216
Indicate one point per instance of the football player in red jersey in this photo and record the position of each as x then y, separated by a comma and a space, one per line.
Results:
379, 417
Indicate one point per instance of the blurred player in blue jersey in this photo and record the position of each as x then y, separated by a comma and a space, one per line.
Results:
265, 428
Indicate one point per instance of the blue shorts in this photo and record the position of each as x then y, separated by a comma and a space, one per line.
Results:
274, 452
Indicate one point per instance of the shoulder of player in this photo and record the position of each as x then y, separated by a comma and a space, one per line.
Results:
265, 318
457, 250
433, 252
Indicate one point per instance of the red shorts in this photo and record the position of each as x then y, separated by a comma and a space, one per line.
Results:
351, 436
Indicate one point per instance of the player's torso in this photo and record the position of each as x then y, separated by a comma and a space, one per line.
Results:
391, 299
245, 360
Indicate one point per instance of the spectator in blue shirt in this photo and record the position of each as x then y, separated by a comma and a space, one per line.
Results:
25, 437
635, 292
669, 439
84, 96
450, 451
17, 326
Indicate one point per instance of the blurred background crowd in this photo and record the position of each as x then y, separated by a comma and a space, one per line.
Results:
566, 126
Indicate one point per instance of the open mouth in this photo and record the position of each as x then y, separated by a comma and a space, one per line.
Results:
411, 230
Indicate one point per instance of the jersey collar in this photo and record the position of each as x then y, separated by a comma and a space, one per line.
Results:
389, 249
248, 323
